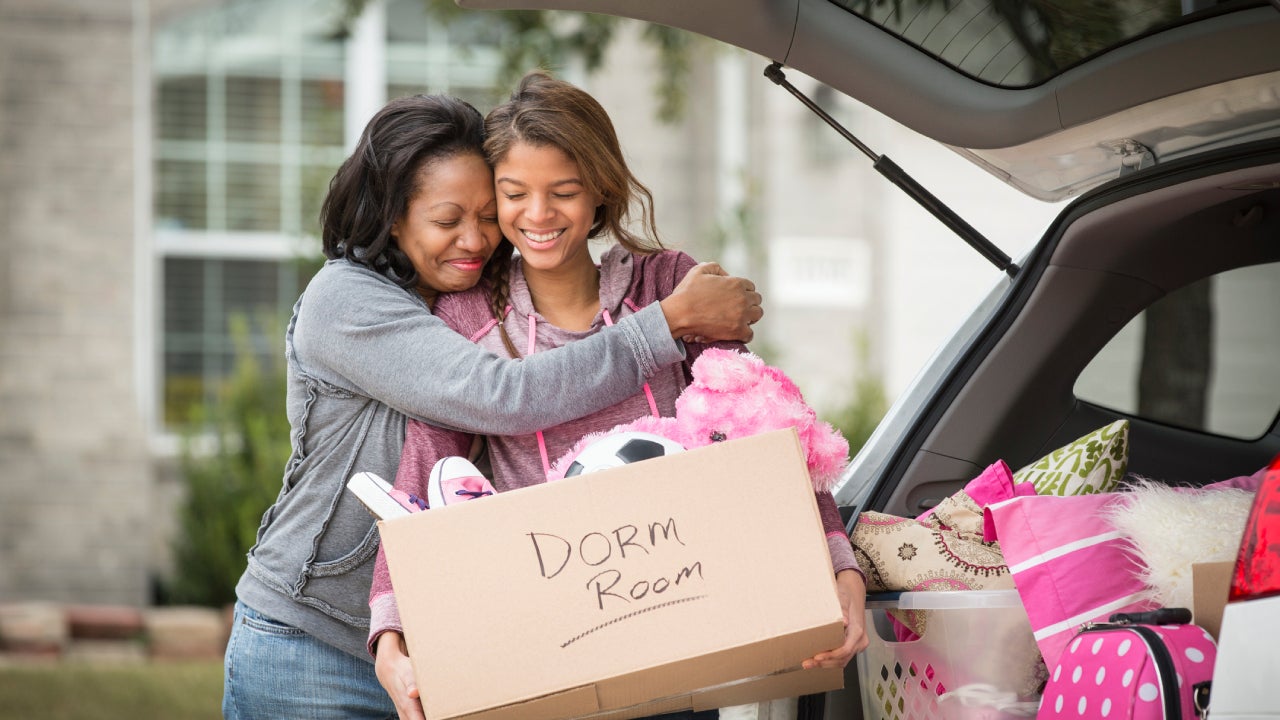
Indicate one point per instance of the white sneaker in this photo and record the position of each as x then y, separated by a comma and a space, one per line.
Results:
382, 499
454, 480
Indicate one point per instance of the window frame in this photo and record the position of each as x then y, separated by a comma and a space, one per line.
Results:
265, 40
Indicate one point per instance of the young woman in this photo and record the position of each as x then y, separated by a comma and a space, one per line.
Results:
409, 215
562, 181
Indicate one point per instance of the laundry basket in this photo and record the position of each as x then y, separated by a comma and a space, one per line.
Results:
977, 659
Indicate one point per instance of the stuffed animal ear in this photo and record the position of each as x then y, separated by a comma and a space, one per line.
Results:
727, 371
827, 453
786, 388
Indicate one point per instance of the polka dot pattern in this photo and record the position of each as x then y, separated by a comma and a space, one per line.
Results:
1108, 673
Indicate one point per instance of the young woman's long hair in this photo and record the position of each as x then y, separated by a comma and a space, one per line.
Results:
547, 112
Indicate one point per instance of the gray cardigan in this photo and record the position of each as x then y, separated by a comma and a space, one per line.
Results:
362, 355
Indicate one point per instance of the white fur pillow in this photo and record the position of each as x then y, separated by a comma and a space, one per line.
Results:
1170, 528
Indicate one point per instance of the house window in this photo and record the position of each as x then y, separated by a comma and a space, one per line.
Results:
251, 121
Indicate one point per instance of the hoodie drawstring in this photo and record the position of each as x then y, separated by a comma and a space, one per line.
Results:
653, 404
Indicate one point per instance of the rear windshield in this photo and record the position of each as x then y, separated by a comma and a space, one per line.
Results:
1016, 43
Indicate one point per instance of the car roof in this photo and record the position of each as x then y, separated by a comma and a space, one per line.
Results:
1156, 93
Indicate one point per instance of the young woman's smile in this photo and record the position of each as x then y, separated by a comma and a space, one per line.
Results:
544, 207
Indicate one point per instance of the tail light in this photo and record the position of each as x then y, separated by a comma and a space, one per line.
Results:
1257, 571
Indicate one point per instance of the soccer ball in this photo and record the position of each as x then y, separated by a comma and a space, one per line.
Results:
620, 449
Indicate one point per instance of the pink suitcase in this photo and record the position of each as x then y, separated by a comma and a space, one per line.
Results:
1140, 666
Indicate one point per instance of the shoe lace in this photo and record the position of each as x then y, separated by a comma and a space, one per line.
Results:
473, 494
473, 481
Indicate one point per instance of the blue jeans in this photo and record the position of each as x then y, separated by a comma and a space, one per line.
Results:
272, 670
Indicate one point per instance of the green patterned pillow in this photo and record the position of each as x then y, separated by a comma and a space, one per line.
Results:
1093, 464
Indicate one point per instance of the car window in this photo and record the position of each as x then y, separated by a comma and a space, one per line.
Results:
1016, 44
1201, 358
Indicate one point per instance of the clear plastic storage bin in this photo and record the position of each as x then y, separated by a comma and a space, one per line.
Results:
976, 660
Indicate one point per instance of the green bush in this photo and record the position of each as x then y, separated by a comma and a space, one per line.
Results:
232, 462
858, 418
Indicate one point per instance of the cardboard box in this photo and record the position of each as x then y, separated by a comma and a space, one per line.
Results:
1210, 583
692, 581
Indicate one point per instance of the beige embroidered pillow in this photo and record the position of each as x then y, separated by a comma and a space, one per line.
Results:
898, 553
1094, 463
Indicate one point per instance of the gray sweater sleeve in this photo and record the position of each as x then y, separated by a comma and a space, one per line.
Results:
359, 331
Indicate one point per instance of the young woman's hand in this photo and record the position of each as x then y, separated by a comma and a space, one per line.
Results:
852, 590
395, 672
709, 305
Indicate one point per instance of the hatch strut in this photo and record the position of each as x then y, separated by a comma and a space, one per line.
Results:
899, 177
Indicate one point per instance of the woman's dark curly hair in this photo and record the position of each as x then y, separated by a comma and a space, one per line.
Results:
373, 187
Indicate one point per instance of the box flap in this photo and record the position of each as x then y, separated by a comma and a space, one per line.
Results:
1210, 584
767, 657
575, 702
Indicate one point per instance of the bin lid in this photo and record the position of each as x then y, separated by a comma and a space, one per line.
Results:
959, 599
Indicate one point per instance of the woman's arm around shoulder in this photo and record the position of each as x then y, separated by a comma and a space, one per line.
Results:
359, 331
696, 311
657, 276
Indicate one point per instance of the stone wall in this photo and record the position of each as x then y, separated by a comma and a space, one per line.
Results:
75, 476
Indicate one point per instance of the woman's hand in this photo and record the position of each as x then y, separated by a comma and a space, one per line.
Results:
395, 672
710, 305
852, 590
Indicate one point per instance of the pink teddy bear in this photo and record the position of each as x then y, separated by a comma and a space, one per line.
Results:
734, 395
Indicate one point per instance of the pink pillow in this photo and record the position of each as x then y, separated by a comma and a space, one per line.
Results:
1069, 564
996, 484
1244, 482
